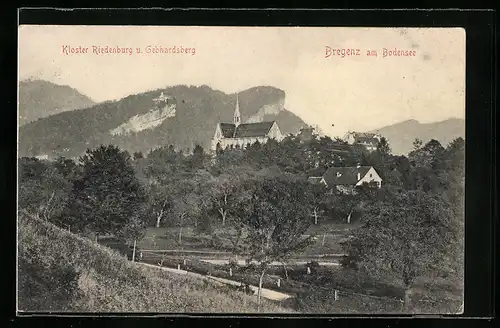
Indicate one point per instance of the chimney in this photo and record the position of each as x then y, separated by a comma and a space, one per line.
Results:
359, 176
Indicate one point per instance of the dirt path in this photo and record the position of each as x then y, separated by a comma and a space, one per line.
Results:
266, 293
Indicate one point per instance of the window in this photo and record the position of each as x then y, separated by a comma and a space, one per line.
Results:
370, 175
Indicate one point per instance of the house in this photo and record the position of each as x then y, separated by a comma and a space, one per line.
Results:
162, 98
241, 135
42, 157
345, 179
368, 140
306, 134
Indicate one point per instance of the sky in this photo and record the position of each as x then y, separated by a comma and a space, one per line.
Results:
340, 94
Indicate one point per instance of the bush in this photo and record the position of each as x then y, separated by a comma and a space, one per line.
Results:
42, 288
349, 262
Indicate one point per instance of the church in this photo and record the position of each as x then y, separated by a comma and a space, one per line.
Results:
238, 135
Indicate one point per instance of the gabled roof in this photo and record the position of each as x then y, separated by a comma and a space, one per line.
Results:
246, 130
348, 175
227, 129
364, 135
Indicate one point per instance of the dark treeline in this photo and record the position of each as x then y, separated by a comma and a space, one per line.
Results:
176, 184
417, 214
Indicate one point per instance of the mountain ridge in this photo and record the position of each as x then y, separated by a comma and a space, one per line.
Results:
40, 99
402, 135
188, 118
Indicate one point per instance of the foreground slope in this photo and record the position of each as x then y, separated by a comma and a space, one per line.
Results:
60, 271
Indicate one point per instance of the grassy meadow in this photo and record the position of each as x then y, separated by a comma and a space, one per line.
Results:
329, 236
63, 272
357, 292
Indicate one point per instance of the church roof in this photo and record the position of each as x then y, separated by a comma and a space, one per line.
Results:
245, 130
344, 175
227, 129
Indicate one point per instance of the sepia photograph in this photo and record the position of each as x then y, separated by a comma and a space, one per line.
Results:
240, 170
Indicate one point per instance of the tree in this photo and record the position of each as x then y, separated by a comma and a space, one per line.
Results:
186, 208
160, 201
221, 192
424, 178
383, 147
452, 159
323, 153
426, 155
107, 198
138, 155
43, 189
451, 176
318, 195
188, 196
164, 155
403, 169
67, 167
408, 235
352, 203
198, 158
218, 149
357, 155
417, 144
270, 217
229, 157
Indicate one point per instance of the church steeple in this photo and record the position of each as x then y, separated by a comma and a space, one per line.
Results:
237, 116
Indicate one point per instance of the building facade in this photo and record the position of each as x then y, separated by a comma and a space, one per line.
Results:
241, 135
346, 179
368, 140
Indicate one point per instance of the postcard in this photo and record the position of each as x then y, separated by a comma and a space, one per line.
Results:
239, 170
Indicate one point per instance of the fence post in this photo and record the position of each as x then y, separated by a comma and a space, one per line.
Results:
184, 262
308, 270
230, 272
336, 295
133, 252
178, 266
279, 282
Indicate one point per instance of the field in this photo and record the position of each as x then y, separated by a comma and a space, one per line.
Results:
328, 240
315, 292
63, 272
